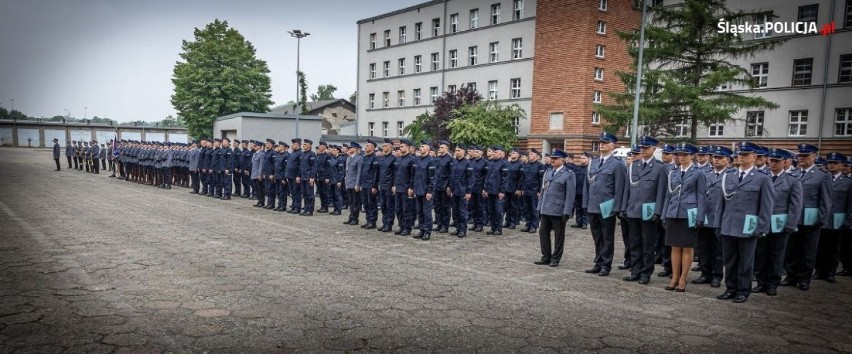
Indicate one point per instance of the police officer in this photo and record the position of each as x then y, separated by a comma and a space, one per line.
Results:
443, 199
745, 211
166, 165
245, 164
94, 155
387, 173
477, 203
684, 213
555, 208
769, 257
492, 193
69, 152
268, 171
307, 161
403, 189
337, 172
644, 202
214, 169
293, 177
581, 161
816, 196
709, 246
237, 175
257, 168
368, 184
532, 174
194, 157
512, 189
322, 176
424, 190
352, 182
828, 252
459, 190
664, 252
280, 165
602, 197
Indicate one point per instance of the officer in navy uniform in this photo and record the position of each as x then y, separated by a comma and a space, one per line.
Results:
268, 172
606, 177
800, 259
306, 168
643, 203
247, 154
581, 218
443, 199
477, 204
403, 189
423, 184
769, 257
338, 178
293, 177
236, 173
495, 181
709, 247
533, 176
322, 176
556, 207
368, 185
215, 168
459, 190
512, 189
744, 213
227, 169
840, 221
387, 172
280, 165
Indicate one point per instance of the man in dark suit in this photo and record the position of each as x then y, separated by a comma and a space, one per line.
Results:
602, 198
56, 153
643, 202
555, 208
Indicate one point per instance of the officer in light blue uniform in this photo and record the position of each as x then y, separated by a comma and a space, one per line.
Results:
533, 176
257, 162
744, 213
769, 257
840, 222
387, 173
664, 253
709, 248
800, 259
760, 163
352, 181
292, 173
603, 190
424, 190
555, 207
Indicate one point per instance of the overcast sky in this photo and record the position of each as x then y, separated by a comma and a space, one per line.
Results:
116, 56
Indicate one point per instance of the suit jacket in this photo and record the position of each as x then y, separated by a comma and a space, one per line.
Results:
645, 185
56, 150
816, 193
353, 171
557, 194
713, 194
194, 156
841, 201
69, 150
603, 183
788, 198
257, 161
369, 171
424, 175
753, 196
684, 193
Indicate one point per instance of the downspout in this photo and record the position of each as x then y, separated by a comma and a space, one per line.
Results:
825, 78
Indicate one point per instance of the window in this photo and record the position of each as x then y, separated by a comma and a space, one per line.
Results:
655, 3
418, 63
495, 14
454, 58
601, 27
515, 88
492, 90
596, 146
474, 18
372, 70
400, 127
454, 23
723, 86
387, 38
451, 88
716, 130
386, 69
517, 48
681, 129
518, 10
436, 27
760, 74
848, 22
602, 5
372, 41
843, 121
808, 13
471, 85
494, 53
433, 94
798, 123
767, 32
599, 74
400, 98
600, 51
556, 120
416, 95
385, 99
802, 71
596, 97
472, 53
418, 31
385, 129
403, 34
436, 64
596, 118
754, 123
517, 123
845, 67
371, 127
401, 64
372, 100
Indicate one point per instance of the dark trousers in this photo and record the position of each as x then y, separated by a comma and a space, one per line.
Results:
512, 206
388, 210
555, 224
204, 177
354, 204
324, 191
167, 176
308, 195
739, 262
531, 209
76, 163
664, 253
476, 207
643, 243
404, 210
425, 207
237, 179
800, 259
336, 193
295, 194
709, 252
460, 208
769, 259
95, 166
57, 163
103, 164
270, 191
828, 252
603, 234
69, 161
227, 180
281, 190
443, 208
495, 212
370, 204
211, 183
195, 181
580, 214
260, 187
217, 184
247, 190
846, 253
625, 240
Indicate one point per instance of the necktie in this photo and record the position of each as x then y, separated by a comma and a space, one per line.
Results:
774, 178
644, 164
601, 163
742, 174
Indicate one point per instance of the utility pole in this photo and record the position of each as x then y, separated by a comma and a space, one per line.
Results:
298, 34
634, 130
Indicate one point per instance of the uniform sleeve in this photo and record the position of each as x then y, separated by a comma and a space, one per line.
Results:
662, 185
796, 203
701, 195
585, 183
620, 175
570, 193
825, 200
767, 204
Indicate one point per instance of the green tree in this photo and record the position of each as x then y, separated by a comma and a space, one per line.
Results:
219, 75
354, 98
685, 61
435, 125
4, 113
416, 131
324, 92
485, 123
303, 92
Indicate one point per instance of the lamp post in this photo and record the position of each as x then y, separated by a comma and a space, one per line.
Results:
634, 131
13, 103
85, 111
298, 34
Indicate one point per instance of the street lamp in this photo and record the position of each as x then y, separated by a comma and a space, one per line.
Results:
85, 110
298, 34
13, 103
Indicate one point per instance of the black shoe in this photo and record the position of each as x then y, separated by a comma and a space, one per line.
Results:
416, 227
363, 226
665, 273
631, 278
576, 226
623, 267
771, 292
418, 236
603, 272
740, 298
831, 279
758, 289
727, 295
496, 233
554, 263
193, 192
542, 262
533, 231
223, 198
455, 233
511, 226
644, 280
383, 229
370, 226
701, 280
844, 273
715, 283
525, 229
804, 286
258, 205
397, 232
462, 235
405, 233
472, 228
593, 270
322, 210
443, 230
477, 229
335, 213
426, 237
308, 213
268, 207
788, 282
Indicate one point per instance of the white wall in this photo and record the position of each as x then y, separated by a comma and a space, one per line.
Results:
178, 138
25, 134
130, 136
160, 137
50, 134
81, 135
6, 136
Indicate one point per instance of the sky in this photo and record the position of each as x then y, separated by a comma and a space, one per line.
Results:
116, 57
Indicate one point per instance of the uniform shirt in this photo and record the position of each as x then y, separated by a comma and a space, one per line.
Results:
387, 172
257, 161
816, 193
353, 171
841, 201
646, 183
321, 167
424, 176
268, 167
477, 175
280, 164
69, 150
558, 192
604, 182
404, 173
495, 176
751, 197
369, 172
532, 175
292, 170
787, 190
442, 172
513, 180
460, 176
306, 164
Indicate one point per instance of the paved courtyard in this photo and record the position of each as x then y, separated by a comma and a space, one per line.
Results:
93, 264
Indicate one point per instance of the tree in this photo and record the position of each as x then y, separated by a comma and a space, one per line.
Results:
324, 92
219, 75
486, 123
435, 125
416, 131
303, 91
354, 98
685, 62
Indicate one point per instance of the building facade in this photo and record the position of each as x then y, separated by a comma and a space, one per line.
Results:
28, 133
408, 58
